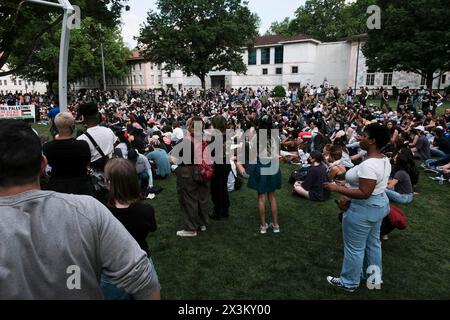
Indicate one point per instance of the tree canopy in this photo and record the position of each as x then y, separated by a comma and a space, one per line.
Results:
414, 37
199, 36
326, 20
22, 25
84, 55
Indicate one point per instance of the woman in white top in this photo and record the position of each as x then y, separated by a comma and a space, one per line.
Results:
368, 206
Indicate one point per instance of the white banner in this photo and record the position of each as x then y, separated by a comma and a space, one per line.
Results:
18, 112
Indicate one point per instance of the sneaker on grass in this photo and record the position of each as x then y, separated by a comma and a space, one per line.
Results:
263, 229
336, 282
185, 233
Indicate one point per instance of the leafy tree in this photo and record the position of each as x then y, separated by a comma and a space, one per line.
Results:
84, 55
414, 37
326, 20
281, 28
23, 24
199, 36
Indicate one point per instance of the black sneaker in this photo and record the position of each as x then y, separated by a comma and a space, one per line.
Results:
336, 282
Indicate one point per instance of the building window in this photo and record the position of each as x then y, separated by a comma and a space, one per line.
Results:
265, 71
252, 57
444, 78
140, 66
169, 75
5, 82
141, 79
370, 80
265, 56
294, 69
387, 79
279, 70
279, 52
20, 82
15, 82
151, 66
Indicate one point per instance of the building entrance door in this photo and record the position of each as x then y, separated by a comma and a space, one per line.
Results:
218, 82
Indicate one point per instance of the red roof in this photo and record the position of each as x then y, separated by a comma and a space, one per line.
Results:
135, 55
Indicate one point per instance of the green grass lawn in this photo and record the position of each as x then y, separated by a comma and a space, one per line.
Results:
393, 103
233, 261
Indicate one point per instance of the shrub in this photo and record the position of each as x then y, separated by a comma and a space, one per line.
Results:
279, 91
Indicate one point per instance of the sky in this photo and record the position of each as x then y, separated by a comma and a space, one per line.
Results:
268, 10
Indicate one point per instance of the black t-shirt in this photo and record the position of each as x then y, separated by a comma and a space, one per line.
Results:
314, 181
139, 220
68, 158
443, 145
403, 96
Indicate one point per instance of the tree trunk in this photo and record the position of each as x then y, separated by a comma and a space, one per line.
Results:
430, 80
50, 87
203, 80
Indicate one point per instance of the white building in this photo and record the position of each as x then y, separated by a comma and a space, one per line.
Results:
13, 84
300, 60
278, 60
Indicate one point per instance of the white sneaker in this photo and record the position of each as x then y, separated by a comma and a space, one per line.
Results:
385, 237
263, 229
275, 228
184, 233
203, 228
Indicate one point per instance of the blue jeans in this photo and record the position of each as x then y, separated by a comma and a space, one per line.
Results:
432, 163
438, 153
361, 232
399, 198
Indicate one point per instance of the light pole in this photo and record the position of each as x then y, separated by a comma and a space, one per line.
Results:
64, 47
103, 67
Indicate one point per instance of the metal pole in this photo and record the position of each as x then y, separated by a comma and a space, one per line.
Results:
64, 48
64, 55
103, 67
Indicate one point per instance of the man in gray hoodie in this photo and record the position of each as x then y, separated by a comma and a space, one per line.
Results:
56, 246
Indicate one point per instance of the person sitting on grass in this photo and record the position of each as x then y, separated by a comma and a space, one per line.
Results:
405, 175
312, 188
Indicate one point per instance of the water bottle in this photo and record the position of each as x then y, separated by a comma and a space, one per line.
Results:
441, 179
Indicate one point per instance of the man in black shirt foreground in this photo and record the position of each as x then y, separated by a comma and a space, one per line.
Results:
68, 159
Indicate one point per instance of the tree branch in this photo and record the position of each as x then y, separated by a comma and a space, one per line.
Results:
30, 55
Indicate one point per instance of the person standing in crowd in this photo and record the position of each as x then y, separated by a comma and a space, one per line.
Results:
222, 169
368, 206
138, 218
265, 184
68, 158
193, 196
54, 111
65, 241
101, 140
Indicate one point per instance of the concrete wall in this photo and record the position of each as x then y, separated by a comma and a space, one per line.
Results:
332, 63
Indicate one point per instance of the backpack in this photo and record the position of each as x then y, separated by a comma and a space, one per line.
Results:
203, 172
298, 175
397, 218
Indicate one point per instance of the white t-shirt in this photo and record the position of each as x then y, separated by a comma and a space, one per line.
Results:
104, 137
372, 169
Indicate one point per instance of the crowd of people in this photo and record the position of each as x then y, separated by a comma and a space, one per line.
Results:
130, 140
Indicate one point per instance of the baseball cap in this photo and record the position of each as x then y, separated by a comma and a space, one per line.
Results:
420, 128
